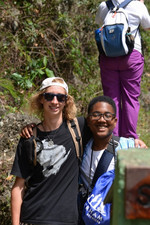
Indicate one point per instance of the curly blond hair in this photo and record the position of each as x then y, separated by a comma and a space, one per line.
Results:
36, 107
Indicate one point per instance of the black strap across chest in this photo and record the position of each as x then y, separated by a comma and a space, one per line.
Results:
106, 158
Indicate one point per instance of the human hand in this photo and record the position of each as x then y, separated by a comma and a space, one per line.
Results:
27, 131
141, 1
140, 143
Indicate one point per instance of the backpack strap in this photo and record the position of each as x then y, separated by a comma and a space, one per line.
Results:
124, 4
109, 4
74, 129
35, 145
34, 132
106, 158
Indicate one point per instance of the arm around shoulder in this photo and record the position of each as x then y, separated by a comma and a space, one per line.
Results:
17, 194
27, 131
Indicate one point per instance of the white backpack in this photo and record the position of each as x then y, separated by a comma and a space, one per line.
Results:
114, 36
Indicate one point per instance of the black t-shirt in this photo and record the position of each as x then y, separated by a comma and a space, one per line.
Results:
51, 195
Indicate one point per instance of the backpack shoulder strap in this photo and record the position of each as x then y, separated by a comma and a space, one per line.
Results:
106, 158
74, 129
35, 132
34, 146
109, 4
124, 4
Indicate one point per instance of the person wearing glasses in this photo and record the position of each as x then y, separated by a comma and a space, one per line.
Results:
101, 120
46, 193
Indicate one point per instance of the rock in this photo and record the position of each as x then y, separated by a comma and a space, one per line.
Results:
10, 126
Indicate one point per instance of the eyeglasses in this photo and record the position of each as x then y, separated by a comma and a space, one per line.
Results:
97, 115
50, 96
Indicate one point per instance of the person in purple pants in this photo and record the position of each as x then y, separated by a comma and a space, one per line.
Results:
121, 76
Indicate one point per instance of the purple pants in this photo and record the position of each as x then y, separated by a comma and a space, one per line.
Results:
121, 77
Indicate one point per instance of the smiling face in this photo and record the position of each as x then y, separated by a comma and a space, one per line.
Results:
54, 107
100, 127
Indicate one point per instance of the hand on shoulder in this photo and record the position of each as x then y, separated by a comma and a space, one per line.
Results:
140, 143
27, 131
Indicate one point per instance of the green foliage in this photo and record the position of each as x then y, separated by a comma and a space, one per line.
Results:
143, 125
35, 70
58, 43
2, 3
37, 43
22, 81
146, 48
7, 84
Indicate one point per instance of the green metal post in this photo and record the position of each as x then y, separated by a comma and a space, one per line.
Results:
131, 191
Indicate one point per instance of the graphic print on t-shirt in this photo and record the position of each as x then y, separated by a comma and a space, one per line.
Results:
51, 157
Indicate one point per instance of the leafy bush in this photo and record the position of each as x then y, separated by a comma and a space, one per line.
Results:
57, 36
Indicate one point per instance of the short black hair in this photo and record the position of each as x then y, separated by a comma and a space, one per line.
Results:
102, 98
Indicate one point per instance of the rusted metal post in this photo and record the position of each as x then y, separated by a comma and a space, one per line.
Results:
131, 191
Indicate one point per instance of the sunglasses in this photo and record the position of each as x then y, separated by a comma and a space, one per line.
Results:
50, 96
